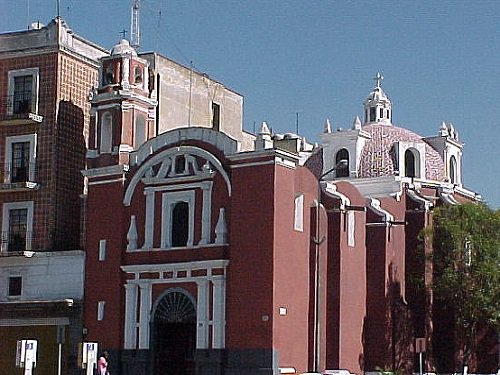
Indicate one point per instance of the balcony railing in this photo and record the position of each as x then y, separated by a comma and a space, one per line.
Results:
15, 177
13, 242
21, 105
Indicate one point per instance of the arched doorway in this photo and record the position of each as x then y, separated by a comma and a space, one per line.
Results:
174, 334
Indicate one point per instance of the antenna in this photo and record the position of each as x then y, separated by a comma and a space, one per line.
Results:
134, 24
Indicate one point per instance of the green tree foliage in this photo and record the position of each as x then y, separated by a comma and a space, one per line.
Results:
466, 257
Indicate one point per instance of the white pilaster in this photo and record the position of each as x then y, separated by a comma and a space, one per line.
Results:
206, 213
129, 340
219, 313
202, 314
149, 219
144, 315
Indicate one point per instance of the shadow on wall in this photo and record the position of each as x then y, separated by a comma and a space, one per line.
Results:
388, 331
69, 162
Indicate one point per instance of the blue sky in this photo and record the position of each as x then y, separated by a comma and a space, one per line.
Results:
440, 60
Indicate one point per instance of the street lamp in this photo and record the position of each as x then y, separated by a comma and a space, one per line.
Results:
317, 242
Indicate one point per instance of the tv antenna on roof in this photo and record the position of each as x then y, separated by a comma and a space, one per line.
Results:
134, 24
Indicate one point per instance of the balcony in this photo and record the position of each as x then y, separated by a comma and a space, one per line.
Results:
15, 177
19, 109
16, 243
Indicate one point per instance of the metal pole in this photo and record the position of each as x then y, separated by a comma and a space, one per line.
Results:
420, 358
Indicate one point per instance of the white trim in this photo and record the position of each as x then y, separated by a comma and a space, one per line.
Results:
172, 267
218, 313
29, 221
34, 73
130, 330
166, 154
102, 182
144, 315
202, 313
254, 164
32, 139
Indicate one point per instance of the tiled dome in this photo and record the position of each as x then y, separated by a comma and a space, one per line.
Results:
377, 159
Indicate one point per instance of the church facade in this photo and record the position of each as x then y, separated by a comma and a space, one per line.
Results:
210, 250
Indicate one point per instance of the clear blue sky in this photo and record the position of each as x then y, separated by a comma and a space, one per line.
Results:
440, 60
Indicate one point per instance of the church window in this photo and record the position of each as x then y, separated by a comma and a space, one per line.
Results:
381, 113
109, 75
411, 169
138, 75
342, 167
453, 170
180, 164
388, 114
372, 114
177, 219
106, 131
299, 213
215, 116
140, 131
180, 224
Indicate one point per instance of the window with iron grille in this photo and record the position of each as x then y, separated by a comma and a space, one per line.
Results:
20, 161
18, 222
23, 94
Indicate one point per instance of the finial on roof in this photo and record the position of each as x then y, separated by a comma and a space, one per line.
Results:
443, 130
356, 124
264, 129
378, 78
327, 127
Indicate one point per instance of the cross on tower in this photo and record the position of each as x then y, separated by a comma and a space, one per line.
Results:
124, 33
378, 78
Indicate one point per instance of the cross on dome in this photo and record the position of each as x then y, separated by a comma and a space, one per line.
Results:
378, 78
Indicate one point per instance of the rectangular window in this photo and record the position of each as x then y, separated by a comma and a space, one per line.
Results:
18, 221
17, 226
372, 114
23, 91
102, 250
23, 94
20, 162
215, 116
100, 310
298, 223
15, 286
381, 113
20, 158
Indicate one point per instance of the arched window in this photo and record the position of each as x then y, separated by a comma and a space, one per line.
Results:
410, 164
138, 75
453, 170
106, 132
140, 131
180, 224
342, 167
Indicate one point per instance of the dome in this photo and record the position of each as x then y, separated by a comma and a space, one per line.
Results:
123, 48
377, 158
377, 95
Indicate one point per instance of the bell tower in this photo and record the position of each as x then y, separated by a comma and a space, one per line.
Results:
377, 105
122, 107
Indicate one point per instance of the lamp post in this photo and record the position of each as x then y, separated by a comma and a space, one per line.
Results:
317, 242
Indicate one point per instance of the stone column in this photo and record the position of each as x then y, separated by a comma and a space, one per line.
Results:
129, 339
219, 313
202, 314
144, 315
149, 219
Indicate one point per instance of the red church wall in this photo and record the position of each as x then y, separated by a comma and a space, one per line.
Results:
291, 267
249, 310
104, 279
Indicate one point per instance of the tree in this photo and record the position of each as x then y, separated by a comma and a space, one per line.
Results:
466, 258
